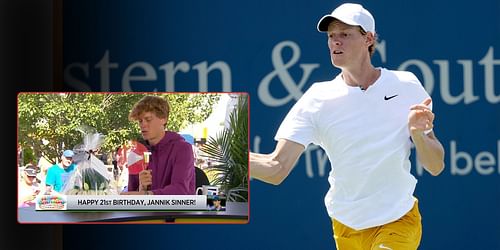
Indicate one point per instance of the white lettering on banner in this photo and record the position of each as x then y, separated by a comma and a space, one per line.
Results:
149, 74
170, 70
281, 70
203, 72
256, 144
308, 161
489, 62
77, 74
321, 159
105, 67
463, 163
484, 162
295, 91
74, 82
467, 96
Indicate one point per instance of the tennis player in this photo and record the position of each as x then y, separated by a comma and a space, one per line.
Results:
366, 119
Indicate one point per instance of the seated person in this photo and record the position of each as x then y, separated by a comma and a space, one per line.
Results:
28, 187
217, 206
170, 170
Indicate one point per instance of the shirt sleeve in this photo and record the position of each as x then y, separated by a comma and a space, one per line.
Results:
183, 178
50, 179
133, 182
298, 125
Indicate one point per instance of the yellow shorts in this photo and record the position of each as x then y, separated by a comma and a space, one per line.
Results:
404, 233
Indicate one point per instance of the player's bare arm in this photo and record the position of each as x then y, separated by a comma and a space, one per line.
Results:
430, 152
273, 168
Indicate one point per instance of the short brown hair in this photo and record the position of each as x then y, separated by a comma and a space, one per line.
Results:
155, 104
371, 49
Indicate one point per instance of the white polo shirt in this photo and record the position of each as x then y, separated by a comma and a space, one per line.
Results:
366, 137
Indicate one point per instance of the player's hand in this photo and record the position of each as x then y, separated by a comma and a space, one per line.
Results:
420, 118
145, 179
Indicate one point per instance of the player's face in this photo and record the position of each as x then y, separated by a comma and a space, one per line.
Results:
348, 47
152, 127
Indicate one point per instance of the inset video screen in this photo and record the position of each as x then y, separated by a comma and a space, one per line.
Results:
116, 157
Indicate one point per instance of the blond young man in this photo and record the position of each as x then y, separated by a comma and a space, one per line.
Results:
366, 120
171, 164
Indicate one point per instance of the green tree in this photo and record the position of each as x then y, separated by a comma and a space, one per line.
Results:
48, 122
229, 152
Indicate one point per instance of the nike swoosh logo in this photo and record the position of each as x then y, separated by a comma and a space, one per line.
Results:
390, 97
382, 246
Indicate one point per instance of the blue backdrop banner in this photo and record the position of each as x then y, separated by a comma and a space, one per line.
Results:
272, 50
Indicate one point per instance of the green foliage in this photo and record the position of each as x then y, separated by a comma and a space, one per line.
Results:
28, 156
229, 151
54, 118
188, 109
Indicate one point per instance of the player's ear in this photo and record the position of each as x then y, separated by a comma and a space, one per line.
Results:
370, 38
